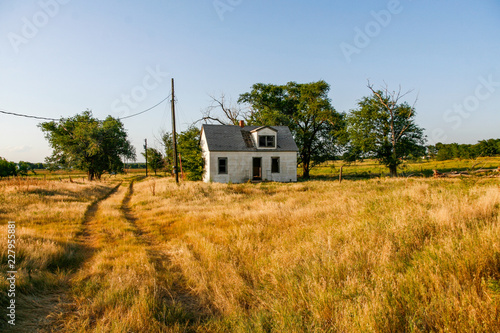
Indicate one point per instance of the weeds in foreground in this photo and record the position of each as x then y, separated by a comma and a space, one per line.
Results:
380, 255
48, 216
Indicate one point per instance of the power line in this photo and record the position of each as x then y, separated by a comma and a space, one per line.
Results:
54, 119
138, 113
26, 116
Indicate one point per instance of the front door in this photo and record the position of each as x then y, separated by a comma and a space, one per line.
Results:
257, 168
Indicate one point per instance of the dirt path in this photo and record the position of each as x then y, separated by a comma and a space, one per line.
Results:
86, 236
50, 312
170, 281
43, 310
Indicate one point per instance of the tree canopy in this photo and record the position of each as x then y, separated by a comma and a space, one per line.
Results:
306, 110
7, 168
448, 151
189, 150
155, 159
384, 128
87, 143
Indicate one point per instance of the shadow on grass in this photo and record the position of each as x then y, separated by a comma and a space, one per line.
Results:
80, 196
175, 305
43, 289
427, 173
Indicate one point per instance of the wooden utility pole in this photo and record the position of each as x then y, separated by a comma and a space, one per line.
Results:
146, 154
180, 165
174, 139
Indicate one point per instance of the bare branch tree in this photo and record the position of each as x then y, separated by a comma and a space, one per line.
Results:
391, 103
230, 115
394, 118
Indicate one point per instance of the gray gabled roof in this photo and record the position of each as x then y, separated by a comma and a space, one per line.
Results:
236, 138
262, 127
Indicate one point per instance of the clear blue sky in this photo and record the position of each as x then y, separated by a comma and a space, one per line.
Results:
60, 57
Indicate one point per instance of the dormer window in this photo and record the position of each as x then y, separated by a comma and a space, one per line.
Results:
267, 141
265, 137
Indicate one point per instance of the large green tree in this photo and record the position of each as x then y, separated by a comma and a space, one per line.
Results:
189, 150
188, 146
86, 143
306, 109
24, 167
384, 128
7, 168
155, 159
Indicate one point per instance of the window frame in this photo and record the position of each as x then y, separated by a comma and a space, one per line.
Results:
226, 167
278, 164
266, 141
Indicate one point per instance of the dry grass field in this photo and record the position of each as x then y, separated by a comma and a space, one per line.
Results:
422, 168
135, 254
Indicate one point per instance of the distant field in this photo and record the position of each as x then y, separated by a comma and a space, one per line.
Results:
424, 168
357, 170
78, 176
135, 254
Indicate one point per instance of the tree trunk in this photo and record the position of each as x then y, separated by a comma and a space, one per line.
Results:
305, 169
393, 168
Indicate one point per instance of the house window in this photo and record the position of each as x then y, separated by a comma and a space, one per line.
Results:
222, 165
267, 141
275, 165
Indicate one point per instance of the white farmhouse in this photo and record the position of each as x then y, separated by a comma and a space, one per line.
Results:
240, 153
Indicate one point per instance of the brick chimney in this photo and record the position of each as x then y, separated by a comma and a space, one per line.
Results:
242, 123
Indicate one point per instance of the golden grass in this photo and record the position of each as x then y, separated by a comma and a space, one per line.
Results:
48, 216
379, 255
114, 289
124, 283
420, 168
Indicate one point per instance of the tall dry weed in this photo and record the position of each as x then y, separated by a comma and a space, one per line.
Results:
379, 255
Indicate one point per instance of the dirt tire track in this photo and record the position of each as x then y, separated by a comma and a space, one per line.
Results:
173, 292
55, 304
84, 235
